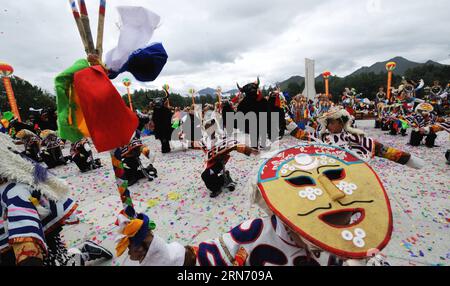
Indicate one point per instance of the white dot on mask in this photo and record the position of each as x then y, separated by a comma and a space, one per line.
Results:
318, 192
311, 197
303, 194
360, 233
359, 242
347, 235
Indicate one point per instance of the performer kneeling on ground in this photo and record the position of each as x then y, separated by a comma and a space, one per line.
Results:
134, 169
51, 153
81, 154
217, 151
335, 129
424, 121
31, 142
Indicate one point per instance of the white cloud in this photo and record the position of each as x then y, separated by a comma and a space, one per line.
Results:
213, 43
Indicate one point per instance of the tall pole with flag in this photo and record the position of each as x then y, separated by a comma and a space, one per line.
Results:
326, 77
5, 72
82, 21
127, 83
390, 67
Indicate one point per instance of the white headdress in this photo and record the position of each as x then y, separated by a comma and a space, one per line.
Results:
339, 113
16, 168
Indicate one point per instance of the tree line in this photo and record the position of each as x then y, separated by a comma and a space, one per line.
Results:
28, 95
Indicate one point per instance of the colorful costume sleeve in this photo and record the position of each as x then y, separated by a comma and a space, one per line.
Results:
295, 131
254, 242
23, 221
391, 153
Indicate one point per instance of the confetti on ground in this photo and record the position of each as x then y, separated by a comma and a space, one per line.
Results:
183, 211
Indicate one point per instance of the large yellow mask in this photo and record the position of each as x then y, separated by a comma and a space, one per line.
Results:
328, 197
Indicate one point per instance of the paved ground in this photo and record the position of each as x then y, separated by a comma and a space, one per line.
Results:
183, 211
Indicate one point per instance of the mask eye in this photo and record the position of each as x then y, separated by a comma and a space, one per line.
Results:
335, 174
301, 181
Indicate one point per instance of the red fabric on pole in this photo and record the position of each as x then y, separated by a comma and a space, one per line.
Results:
110, 122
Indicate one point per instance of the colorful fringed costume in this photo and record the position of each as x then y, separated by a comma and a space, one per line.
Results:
424, 122
353, 140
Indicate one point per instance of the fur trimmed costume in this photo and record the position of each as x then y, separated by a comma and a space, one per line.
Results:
353, 140
33, 208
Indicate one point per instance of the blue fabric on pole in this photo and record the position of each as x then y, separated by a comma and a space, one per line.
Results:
139, 237
144, 64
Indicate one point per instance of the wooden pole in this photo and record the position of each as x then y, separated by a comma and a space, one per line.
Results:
122, 184
100, 28
129, 98
86, 26
80, 27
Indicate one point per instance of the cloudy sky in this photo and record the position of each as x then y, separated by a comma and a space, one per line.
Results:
212, 43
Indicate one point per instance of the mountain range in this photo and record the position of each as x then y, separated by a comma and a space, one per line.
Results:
380, 67
403, 65
212, 91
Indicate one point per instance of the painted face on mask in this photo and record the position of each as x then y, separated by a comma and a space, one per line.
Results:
328, 197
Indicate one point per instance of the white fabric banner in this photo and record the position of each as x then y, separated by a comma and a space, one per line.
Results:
137, 28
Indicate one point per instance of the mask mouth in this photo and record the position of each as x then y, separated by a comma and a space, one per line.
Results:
343, 218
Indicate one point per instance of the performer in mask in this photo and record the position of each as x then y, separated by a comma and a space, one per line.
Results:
324, 205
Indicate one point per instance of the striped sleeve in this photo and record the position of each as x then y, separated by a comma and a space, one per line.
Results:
22, 217
391, 153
